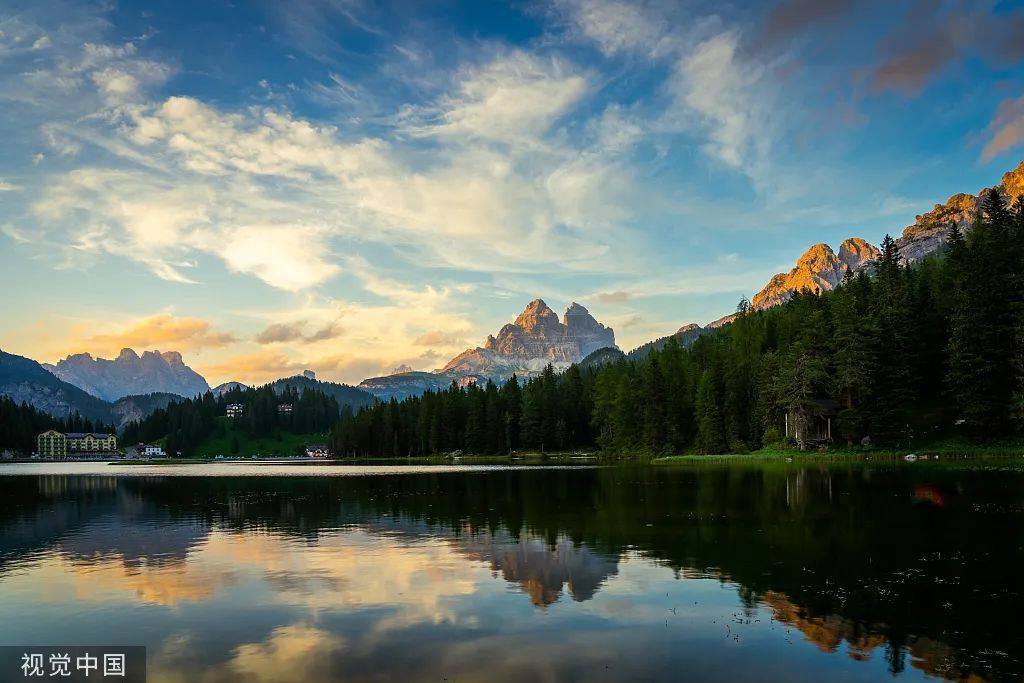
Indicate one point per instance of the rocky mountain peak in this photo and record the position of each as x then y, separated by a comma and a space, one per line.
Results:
688, 327
818, 270
172, 358
855, 253
1013, 182
536, 338
537, 313
130, 374
818, 256
574, 310
590, 334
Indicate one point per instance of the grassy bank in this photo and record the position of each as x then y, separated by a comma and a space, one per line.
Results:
231, 442
287, 445
938, 449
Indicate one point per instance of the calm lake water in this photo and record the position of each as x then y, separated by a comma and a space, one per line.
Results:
717, 572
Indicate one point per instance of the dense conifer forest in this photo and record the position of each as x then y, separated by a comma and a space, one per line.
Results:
20, 424
188, 423
910, 353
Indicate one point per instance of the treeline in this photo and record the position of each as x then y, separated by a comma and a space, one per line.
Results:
21, 423
547, 412
185, 425
909, 353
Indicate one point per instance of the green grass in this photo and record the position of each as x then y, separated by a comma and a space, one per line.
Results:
947, 447
231, 443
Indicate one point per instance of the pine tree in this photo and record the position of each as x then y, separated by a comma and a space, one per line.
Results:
983, 331
892, 381
804, 378
853, 358
710, 426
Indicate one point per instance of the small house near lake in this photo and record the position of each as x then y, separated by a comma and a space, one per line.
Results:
317, 451
811, 424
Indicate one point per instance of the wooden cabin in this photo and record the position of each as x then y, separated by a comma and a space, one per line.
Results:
813, 425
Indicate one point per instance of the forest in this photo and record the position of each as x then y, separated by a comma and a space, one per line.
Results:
186, 424
911, 353
20, 424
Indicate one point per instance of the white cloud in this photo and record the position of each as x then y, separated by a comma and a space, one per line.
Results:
515, 98
9, 187
258, 141
618, 26
716, 92
716, 84
289, 257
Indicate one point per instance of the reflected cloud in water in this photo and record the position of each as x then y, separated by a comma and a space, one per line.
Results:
733, 574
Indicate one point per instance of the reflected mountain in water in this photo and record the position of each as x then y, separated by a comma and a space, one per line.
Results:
540, 569
917, 566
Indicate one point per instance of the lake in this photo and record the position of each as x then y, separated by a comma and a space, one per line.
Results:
724, 571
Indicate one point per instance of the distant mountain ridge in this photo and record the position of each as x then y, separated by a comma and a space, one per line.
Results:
26, 381
135, 408
130, 374
345, 394
224, 388
685, 335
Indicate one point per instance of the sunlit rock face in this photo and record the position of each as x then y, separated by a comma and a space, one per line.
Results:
855, 253
931, 230
1013, 182
535, 339
818, 270
536, 333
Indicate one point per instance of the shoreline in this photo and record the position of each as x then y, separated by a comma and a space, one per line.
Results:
936, 452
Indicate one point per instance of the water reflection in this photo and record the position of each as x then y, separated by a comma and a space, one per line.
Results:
716, 573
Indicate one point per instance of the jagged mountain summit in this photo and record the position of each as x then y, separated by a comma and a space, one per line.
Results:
130, 374
819, 270
536, 338
523, 347
930, 230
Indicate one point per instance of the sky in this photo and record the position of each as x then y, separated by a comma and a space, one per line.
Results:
349, 186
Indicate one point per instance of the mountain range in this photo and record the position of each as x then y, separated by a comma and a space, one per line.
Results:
26, 381
820, 269
130, 385
130, 374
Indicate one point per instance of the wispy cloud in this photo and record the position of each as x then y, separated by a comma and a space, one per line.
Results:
935, 40
1006, 129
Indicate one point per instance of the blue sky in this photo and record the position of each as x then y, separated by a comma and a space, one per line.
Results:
349, 186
